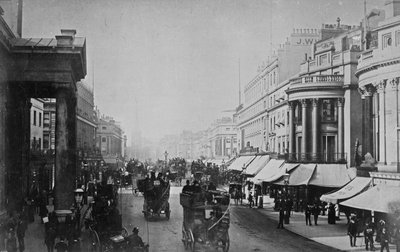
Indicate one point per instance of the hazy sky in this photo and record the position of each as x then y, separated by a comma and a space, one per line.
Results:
167, 65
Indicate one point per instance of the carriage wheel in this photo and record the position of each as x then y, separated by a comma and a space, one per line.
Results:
191, 241
226, 243
94, 239
124, 232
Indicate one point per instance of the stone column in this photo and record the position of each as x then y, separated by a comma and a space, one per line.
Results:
292, 130
382, 121
304, 105
368, 123
340, 104
315, 129
66, 159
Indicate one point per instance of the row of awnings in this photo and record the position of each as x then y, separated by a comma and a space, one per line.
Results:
263, 169
360, 193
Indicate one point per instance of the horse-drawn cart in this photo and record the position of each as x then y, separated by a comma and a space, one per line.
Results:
205, 219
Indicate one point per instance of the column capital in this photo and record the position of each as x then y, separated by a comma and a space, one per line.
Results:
315, 102
340, 102
380, 86
304, 102
369, 90
393, 83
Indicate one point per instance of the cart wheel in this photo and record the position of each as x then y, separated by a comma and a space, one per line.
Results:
191, 241
94, 245
226, 243
124, 232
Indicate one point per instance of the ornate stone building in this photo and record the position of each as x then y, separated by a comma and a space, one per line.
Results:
379, 74
323, 100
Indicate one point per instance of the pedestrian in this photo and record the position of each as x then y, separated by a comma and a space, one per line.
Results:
384, 239
331, 214
21, 229
251, 201
369, 231
50, 238
307, 213
11, 241
62, 245
315, 212
352, 231
281, 217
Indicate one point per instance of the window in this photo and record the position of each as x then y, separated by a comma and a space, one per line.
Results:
397, 38
386, 40
323, 59
104, 128
328, 110
40, 119
34, 117
104, 139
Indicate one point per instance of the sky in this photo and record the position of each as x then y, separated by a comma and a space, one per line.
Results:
163, 66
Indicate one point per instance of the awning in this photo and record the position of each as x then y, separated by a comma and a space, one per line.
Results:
269, 170
330, 175
299, 176
257, 164
356, 186
380, 198
280, 171
237, 165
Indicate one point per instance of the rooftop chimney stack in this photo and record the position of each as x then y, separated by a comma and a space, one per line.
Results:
66, 38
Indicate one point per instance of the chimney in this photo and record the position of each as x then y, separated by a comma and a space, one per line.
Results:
66, 38
392, 8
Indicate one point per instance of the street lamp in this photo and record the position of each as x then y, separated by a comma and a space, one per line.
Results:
166, 156
287, 210
223, 171
243, 182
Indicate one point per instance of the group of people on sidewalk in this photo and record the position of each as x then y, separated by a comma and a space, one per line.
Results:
382, 232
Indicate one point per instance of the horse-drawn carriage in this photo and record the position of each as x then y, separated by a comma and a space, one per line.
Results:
156, 197
205, 219
104, 221
236, 191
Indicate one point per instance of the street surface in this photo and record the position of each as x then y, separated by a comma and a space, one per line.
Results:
250, 229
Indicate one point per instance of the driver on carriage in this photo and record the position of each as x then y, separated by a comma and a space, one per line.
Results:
134, 240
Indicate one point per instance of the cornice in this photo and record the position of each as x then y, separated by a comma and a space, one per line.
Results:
377, 65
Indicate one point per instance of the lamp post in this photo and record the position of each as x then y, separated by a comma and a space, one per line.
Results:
243, 183
287, 210
166, 156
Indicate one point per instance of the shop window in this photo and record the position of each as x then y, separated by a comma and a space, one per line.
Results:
323, 59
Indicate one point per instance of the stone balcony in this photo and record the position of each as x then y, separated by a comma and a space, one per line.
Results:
316, 86
337, 59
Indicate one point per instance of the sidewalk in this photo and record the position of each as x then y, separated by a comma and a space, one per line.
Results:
331, 235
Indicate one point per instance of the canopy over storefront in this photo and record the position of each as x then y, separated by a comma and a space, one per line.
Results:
237, 165
330, 175
299, 176
356, 186
256, 165
272, 168
380, 198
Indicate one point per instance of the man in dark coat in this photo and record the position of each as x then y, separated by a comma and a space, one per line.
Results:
281, 216
352, 231
134, 239
369, 231
307, 213
385, 239
315, 212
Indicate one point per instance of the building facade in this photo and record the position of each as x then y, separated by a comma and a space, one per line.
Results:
109, 138
264, 96
378, 72
222, 139
323, 100
37, 112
